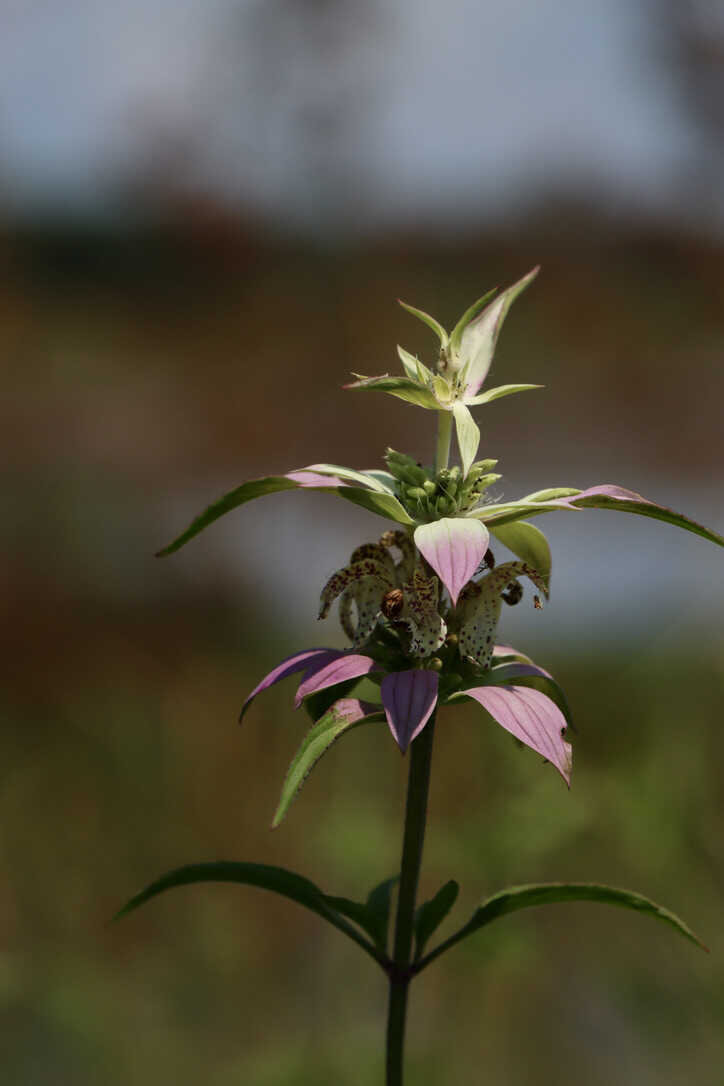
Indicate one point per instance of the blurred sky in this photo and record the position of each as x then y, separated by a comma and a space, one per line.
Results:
338, 116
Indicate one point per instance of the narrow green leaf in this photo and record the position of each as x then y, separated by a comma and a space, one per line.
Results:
528, 543
457, 333
428, 320
255, 488
409, 390
385, 505
373, 915
645, 508
317, 742
355, 911
606, 496
266, 877
496, 393
468, 435
429, 916
523, 897
377, 500
379, 901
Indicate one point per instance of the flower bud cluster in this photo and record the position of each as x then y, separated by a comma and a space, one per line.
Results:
428, 496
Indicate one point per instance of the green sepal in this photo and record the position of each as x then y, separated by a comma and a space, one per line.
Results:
522, 897
316, 742
528, 543
414, 368
267, 877
457, 333
468, 435
386, 480
385, 505
428, 320
497, 393
405, 388
429, 916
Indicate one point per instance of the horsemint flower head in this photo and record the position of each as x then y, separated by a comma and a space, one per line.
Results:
422, 650
420, 617
420, 609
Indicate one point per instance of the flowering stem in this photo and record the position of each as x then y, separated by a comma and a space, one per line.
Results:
444, 434
399, 969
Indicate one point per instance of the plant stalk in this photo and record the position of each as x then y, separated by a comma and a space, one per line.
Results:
399, 971
444, 435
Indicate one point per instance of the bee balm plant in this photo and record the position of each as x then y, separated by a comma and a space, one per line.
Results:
420, 607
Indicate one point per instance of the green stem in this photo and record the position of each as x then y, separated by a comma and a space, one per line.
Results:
399, 969
444, 435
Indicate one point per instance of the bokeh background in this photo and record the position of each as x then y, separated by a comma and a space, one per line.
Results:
207, 211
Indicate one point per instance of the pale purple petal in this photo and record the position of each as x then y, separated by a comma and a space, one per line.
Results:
310, 661
314, 480
519, 670
609, 490
409, 698
508, 650
344, 666
454, 547
531, 717
505, 650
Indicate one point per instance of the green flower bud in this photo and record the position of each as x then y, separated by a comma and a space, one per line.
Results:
487, 480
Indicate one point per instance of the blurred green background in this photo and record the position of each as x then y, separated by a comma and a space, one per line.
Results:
167, 335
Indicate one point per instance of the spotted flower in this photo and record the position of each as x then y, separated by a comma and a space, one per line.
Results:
393, 610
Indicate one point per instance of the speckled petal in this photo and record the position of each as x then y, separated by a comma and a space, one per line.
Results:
454, 547
409, 698
480, 606
479, 616
420, 612
368, 569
